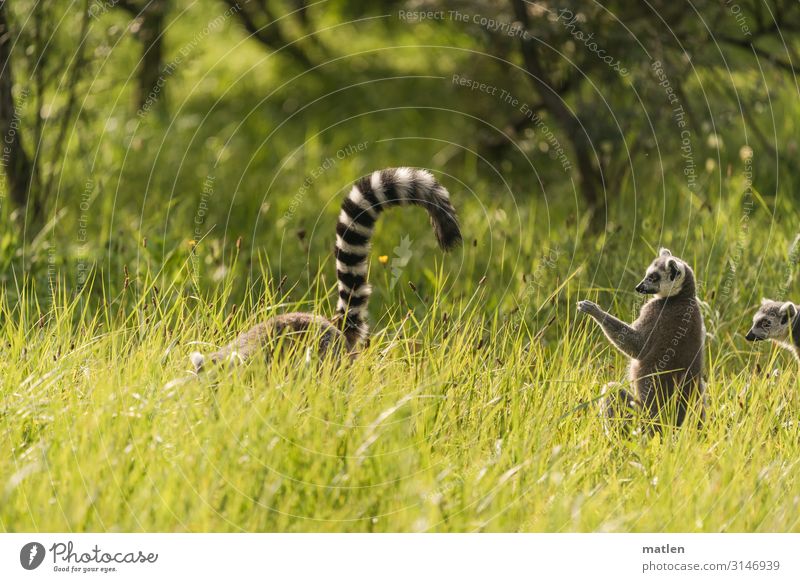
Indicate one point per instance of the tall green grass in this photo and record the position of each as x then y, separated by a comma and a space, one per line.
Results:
457, 417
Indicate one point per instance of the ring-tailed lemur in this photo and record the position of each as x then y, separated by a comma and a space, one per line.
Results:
777, 321
368, 198
665, 345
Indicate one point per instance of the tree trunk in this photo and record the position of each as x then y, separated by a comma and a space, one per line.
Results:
150, 67
591, 178
150, 15
17, 166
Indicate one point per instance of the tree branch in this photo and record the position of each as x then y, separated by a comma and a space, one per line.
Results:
271, 35
772, 59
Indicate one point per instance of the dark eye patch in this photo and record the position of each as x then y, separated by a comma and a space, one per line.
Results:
654, 277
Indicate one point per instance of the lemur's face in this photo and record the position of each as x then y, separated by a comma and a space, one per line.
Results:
664, 277
772, 321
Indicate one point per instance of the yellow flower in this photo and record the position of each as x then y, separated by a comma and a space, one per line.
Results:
383, 259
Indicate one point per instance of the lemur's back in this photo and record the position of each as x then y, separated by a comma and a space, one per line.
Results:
672, 356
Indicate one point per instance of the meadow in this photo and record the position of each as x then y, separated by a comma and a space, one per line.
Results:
473, 408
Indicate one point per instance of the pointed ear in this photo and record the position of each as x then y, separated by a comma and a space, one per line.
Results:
789, 309
662, 252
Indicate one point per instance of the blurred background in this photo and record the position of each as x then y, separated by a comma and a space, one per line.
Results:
208, 143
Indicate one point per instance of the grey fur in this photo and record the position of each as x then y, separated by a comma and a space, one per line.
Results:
665, 345
279, 332
779, 322
342, 334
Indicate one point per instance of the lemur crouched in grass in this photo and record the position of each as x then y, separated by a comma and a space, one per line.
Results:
777, 321
368, 198
665, 345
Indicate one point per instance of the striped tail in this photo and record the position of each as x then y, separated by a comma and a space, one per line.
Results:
370, 196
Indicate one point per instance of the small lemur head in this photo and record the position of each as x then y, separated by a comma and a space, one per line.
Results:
666, 276
773, 321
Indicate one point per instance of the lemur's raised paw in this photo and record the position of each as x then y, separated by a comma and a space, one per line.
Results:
589, 307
